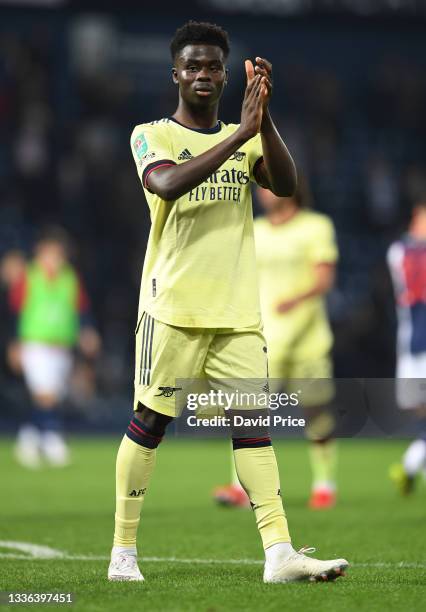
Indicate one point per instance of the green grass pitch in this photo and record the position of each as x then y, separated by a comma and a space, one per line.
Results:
71, 510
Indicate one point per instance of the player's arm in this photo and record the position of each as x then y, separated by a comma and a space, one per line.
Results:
16, 299
89, 340
277, 171
325, 276
171, 182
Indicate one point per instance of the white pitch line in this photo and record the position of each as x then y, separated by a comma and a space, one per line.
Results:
67, 557
37, 551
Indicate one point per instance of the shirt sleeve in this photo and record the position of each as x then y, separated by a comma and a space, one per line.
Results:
323, 244
151, 150
255, 155
18, 294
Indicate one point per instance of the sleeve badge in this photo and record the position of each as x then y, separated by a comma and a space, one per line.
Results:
140, 146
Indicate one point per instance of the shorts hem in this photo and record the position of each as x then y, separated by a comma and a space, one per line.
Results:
154, 405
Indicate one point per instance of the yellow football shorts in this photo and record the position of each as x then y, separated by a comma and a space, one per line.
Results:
166, 354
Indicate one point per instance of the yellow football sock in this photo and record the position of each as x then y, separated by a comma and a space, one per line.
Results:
323, 457
258, 474
134, 467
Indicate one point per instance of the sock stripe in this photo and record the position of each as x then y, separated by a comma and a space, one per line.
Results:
142, 441
253, 439
139, 429
142, 437
238, 443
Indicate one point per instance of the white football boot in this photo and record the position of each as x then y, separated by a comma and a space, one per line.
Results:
27, 448
54, 449
300, 567
124, 566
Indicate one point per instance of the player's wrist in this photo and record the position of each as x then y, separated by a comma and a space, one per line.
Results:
267, 124
243, 134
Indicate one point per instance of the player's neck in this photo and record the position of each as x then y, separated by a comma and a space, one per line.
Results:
196, 118
282, 215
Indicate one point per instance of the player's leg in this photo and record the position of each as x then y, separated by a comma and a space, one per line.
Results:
134, 467
232, 495
163, 354
242, 357
404, 474
53, 444
314, 379
323, 460
46, 371
411, 371
414, 459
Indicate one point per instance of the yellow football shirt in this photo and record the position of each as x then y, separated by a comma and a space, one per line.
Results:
286, 257
200, 266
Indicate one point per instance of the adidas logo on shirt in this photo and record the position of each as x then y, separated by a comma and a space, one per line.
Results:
186, 154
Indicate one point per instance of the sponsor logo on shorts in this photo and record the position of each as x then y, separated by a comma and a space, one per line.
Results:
167, 391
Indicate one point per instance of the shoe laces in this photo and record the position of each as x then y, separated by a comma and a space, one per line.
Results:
306, 550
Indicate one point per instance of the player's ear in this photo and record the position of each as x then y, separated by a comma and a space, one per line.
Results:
174, 75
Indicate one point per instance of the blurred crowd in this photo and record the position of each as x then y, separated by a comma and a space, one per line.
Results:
69, 98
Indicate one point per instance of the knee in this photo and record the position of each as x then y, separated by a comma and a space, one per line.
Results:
320, 424
154, 422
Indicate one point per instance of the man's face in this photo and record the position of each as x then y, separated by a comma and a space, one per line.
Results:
51, 256
269, 201
201, 74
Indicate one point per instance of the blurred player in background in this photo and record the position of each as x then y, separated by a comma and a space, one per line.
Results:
296, 253
52, 317
407, 264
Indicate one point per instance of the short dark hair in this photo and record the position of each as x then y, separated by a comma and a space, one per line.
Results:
198, 33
